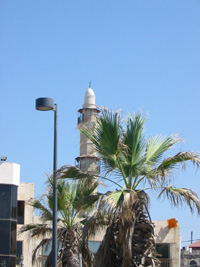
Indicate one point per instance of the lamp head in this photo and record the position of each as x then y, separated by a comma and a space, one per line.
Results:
4, 158
44, 104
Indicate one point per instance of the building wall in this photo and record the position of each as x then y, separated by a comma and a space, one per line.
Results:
171, 237
25, 193
189, 255
164, 236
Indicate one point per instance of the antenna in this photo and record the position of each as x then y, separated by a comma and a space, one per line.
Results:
90, 84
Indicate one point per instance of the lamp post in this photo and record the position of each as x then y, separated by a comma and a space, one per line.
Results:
45, 104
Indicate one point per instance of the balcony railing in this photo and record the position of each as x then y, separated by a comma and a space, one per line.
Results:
165, 262
82, 166
80, 118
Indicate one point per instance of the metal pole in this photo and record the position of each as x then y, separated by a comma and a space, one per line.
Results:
80, 260
191, 237
54, 247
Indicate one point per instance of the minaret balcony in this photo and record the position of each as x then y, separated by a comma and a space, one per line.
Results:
80, 118
87, 115
88, 163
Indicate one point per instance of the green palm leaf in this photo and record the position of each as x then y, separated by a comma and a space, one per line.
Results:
133, 139
157, 145
106, 138
74, 198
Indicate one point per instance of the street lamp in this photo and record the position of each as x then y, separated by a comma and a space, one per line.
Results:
45, 104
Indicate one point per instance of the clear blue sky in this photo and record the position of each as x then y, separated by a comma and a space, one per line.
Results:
140, 55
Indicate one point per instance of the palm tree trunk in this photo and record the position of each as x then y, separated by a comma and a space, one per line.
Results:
129, 244
73, 245
71, 248
108, 250
126, 234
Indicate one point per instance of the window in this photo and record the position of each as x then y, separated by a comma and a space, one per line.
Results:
8, 201
14, 202
193, 264
46, 250
5, 201
94, 246
19, 251
20, 212
13, 237
8, 237
163, 251
5, 237
163, 254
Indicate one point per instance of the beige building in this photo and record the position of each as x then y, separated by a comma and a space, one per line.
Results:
25, 243
168, 243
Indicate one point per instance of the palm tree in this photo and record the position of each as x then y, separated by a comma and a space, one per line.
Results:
134, 164
71, 208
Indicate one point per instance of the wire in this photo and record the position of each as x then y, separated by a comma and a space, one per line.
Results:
190, 240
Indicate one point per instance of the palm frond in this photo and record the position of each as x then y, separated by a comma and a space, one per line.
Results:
114, 199
36, 229
161, 176
180, 158
179, 196
106, 137
45, 213
157, 145
118, 203
133, 139
40, 245
71, 172
94, 224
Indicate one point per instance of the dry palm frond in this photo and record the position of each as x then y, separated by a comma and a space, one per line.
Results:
179, 196
46, 214
72, 172
180, 158
36, 229
40, 245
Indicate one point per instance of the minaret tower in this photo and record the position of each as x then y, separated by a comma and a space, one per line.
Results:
88, 159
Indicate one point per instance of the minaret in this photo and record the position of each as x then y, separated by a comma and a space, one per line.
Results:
88, 159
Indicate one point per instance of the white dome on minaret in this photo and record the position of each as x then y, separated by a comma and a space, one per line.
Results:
89, 99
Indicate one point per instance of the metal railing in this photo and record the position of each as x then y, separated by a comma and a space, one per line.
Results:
165, 262
95, 169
